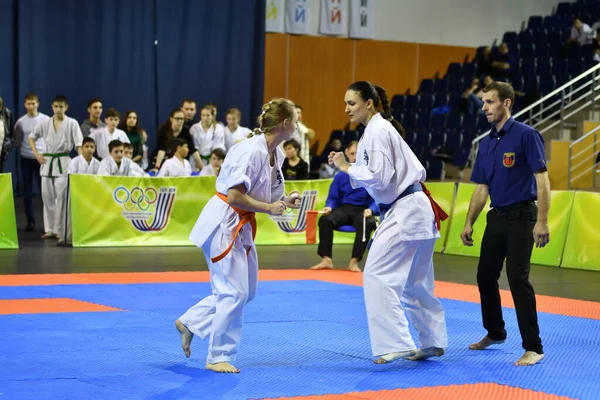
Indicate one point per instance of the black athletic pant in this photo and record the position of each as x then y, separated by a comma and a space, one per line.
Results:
346, 214
509, 235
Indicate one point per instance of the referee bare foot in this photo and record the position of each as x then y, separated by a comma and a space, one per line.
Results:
424, 354
389, 357
49, 235
484, 343
186, 338
223, 367
326, 263
529, 358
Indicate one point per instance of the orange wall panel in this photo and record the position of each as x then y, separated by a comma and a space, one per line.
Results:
434, 58
275, 67
391, 65
320, 71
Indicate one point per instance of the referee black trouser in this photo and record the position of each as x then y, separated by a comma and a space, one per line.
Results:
509, 235
346, 214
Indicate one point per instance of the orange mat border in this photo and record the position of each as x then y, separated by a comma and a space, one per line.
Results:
488, 391
447, 290
49, 306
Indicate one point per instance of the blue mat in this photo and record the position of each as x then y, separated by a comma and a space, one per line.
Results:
300, 338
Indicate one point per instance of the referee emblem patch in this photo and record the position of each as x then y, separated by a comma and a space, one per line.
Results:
508, 160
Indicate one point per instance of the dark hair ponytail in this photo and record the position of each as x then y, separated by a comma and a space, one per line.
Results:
368, 91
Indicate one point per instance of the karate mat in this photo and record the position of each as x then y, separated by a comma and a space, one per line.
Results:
112, 336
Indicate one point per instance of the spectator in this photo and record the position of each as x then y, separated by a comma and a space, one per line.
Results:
166, 132
216, 160
484, 62
189, 112
131, 126
294, 167
581, 34
474, 94
6, 133
502, 63
94, 122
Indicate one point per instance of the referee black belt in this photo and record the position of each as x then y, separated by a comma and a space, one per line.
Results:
515, 206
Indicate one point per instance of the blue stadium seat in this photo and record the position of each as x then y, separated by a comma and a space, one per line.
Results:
441, 100
438, 139
411, 103
510, 38
535, 23
563, 9
422, 121
425, 102
453, 124
397, 103
408, 120
438, 122
435, 168
426, 86
454, 70
439, 87
454, 140
469, 71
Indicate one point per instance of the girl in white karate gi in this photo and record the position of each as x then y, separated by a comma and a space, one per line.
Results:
207, 134
234, 133
250, 181
61, 135
399, 267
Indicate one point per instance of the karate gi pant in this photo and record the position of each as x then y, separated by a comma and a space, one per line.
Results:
234, 281
401, 271
54, 193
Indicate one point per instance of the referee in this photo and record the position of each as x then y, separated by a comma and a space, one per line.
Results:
511, 168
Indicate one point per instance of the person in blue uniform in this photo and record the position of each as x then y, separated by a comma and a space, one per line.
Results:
511, 168
346, 206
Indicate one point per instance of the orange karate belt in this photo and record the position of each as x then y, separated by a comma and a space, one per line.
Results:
245, 217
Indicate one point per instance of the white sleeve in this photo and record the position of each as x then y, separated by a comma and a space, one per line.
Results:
164, 170
73, 166
377, 168
244, 170
77, 135
219, 138
104, 168
124, 137
136, 170
205, 171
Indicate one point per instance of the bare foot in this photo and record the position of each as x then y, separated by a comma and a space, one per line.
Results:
353, 266
186, 338
529, 358
387, 358
424, 354
326, 263
48, 235
223, 367
484, 343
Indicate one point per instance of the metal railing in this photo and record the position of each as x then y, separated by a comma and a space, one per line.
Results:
561, 104
582, 152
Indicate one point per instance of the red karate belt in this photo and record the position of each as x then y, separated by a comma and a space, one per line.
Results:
440, 214
245, 217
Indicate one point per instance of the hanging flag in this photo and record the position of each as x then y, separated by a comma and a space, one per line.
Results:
275, 16
334, 17
362, 19
297, 14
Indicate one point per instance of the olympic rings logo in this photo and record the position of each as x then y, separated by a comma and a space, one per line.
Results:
136, 197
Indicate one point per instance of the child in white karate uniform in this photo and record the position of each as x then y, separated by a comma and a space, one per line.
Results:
207, 134
178, 165
216, 161
61, 134
234, 133
103, 136
250, 181
116, 164
399, 267
84, 164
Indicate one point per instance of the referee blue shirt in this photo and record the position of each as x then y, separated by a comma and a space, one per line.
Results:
506, 162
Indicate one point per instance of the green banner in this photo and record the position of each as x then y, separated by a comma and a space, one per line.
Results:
558, 221
8, 221
581, 247
290, 228
125, 211
454, 244
443, 194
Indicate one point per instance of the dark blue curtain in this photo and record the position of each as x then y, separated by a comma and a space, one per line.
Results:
211, 51
86, 49
8, 70
207, 50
